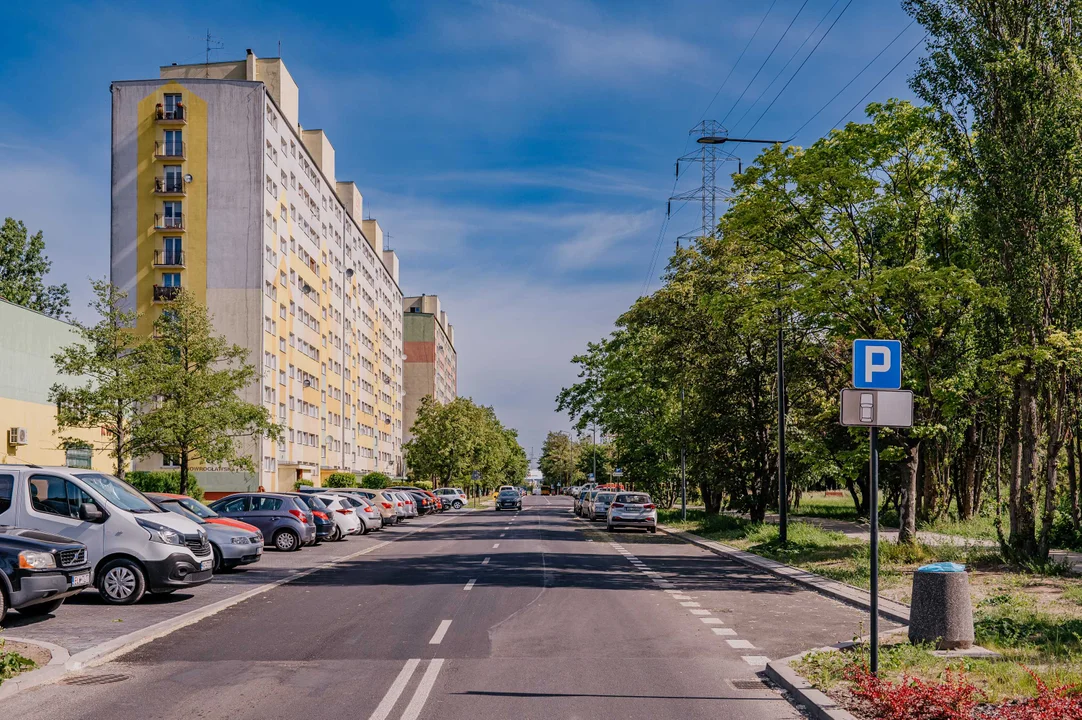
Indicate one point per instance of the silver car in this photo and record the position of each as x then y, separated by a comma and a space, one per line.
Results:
232, 546
630, 509
582, 502
454, 497
599, 506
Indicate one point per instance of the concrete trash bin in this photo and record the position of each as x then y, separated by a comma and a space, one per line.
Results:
941, 611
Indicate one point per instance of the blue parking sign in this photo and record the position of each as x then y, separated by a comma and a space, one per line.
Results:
877, 364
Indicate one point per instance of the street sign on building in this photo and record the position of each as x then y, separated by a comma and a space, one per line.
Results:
877, 408
877, 364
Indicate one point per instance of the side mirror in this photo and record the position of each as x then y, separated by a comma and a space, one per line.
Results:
89, 512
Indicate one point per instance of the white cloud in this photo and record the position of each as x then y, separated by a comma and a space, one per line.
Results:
598, 237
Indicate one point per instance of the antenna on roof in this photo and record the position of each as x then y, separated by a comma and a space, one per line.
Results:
212, 44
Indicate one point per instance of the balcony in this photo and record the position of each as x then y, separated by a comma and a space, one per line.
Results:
170, 150
177, 116
165, 294
170, 186
169, 258
169, 222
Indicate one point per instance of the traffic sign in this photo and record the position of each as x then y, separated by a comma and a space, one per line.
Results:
618, 472
877, 408
590, 477
475, 475
877, 364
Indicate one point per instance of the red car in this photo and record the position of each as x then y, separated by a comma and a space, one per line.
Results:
197, 508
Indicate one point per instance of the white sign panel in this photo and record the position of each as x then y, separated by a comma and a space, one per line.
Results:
877, 408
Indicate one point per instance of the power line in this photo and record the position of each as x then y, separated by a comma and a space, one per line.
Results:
845, 87
793, 77
765, 61
738, 59
787, 63
888, 74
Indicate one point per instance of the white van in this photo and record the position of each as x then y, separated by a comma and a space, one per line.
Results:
133, 546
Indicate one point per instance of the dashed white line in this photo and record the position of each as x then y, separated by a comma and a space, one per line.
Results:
413, 710
740, 644
695, 611
395, 691
711, 621
485, 561
681, 597
440, 632
724, 631
689, 604
503, 534
495, 546
672, 591
469, 585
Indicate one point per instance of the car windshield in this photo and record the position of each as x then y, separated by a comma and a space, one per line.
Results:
119, 493
314, 502
175, 507
196, 508
509, 493
633, 499
605, 497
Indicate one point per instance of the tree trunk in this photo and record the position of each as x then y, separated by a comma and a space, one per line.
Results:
1072, 480
184, 472
1076, 518
1025, 470
907, 531
967, 479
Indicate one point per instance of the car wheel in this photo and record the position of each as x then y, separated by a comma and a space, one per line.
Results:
3, 605
336, 535
45, 608
217, 558
653, 529
122, 582
287, 541
457, 504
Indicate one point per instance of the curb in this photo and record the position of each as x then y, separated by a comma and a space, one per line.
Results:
62, 663
816, 703
824, 586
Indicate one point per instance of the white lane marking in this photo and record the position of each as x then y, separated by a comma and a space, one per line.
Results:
495, 546
485, 561
503, 534
696, 611
724, 631
470, 585
689, 604
440, 632
651, 573
681, 597
395, 691
664, 583
671, 592
413, 710
740, 644
756, 660
711, 621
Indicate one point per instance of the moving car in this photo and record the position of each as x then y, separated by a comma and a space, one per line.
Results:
231, 547
286, 523
38, 570
455, 497
629, 509
133, 546
509, 500
599, 504
344, 515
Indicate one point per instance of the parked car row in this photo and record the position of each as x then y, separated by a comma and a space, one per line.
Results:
617, 508
63, 530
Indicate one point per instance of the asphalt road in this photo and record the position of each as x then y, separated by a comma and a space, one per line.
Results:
492, 614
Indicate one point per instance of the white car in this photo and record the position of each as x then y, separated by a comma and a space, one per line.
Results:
402, 505
632, 509
133, 545
344, 515
455, 497
367, 512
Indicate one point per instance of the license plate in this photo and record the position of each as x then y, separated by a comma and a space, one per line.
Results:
80, 580
206, 565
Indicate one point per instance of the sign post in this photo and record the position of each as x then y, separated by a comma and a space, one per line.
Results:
876, 401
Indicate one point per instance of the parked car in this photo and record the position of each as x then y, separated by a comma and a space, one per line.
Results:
575, 490
197, 508
38, 570
344, 515
382, 502
367, 513
599, 505
425, 501
581, 501
630, 509
509, 500
286, 523
407, 502
325, 527
231, 547
456, 497
134, 547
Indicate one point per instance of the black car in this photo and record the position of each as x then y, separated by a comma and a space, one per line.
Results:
421, 500
509, 499
38, 570
320, 513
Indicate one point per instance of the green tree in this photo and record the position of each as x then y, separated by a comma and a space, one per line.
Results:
341, 480
557, 461
375, 481
196, 378
23, 266
109, 388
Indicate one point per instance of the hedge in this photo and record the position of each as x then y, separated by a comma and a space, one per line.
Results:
341, 480
163, 481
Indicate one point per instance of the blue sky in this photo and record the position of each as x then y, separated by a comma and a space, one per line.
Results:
519, 154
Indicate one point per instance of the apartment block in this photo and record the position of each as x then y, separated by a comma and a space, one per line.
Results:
218, 189
431, 361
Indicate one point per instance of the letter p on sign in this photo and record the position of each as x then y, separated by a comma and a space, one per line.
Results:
877, 364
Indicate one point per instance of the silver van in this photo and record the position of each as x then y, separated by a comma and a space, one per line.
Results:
134, 547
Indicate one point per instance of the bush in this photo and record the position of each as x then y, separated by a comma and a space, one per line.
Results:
423, 484
341, 480
163, 481
913, 699
302, 483
375, 481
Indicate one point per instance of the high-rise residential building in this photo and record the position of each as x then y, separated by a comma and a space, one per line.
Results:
431, 361
216, 188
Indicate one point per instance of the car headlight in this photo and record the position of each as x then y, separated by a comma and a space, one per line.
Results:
161, 533
31, 560
240, 541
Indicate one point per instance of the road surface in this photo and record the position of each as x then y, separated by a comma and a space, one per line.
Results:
489, 615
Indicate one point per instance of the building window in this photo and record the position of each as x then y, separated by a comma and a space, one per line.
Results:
174, 143
171, 279
78, 457
173, 102
170, 461
173, 213
173, 251
293, 178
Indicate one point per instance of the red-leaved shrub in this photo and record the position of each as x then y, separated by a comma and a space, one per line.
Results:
913, 699
1058, 703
